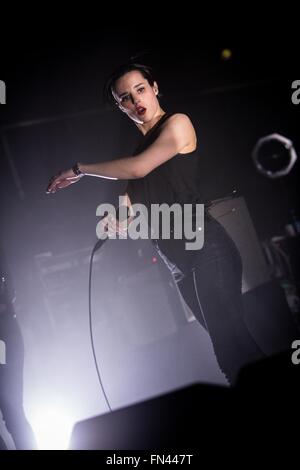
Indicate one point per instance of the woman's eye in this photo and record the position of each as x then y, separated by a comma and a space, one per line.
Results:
125, 98
141, 89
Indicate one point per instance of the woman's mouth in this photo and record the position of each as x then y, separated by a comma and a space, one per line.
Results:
141, 110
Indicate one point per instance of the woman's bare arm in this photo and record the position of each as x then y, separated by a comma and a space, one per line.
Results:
176, 134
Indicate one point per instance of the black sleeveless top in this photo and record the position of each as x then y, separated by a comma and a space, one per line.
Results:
174, 181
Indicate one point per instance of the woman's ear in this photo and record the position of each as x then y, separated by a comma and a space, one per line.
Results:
155, 88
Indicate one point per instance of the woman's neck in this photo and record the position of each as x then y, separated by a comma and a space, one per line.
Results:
145, 127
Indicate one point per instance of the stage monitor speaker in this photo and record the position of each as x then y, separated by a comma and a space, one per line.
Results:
202, 416
169, 421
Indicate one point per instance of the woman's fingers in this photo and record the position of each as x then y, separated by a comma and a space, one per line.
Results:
50, 186
62, 180
122, 228
112, 226
63, 183
52, 182
60, 183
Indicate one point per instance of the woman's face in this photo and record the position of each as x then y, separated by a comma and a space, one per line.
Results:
136, 97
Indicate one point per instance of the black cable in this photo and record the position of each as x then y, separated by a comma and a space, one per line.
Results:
97, 245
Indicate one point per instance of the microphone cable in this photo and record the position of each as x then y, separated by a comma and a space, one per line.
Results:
98, 244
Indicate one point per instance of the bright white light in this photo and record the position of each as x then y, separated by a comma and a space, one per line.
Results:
52, 429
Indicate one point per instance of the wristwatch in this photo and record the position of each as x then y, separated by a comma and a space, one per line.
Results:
76, 170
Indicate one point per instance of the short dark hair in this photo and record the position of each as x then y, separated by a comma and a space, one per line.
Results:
108, 88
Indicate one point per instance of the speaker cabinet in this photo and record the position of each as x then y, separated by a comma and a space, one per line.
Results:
233, 214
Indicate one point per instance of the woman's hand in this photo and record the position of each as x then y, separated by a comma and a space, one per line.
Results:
114, 227
62, 180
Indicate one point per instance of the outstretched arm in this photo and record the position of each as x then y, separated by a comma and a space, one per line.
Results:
176, 134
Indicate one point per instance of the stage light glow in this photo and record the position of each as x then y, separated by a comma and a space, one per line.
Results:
226, 54
52, 429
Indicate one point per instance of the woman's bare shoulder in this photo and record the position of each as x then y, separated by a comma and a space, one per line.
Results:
179, 124
179, 118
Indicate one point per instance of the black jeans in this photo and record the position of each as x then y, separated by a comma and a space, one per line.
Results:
212, 290
11, 384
